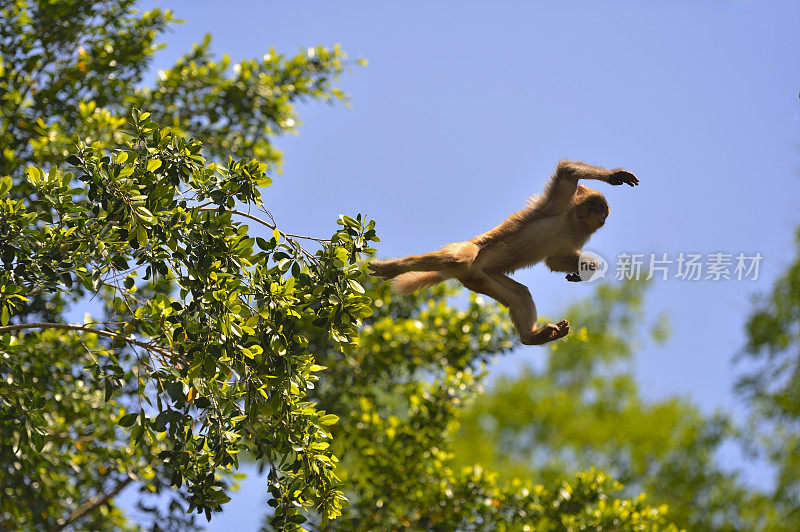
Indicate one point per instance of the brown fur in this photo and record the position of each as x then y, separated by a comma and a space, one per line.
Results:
409, 282
553, 228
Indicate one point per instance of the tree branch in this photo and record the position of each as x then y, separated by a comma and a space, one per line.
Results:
264, 223
92, 504
99, 332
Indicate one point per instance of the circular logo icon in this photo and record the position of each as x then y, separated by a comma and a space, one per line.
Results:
591, 266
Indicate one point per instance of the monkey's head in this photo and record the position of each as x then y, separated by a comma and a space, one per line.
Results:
591, 209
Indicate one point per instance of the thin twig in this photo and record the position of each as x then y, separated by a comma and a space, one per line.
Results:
288, 236
266, 224
34, 291
240, 213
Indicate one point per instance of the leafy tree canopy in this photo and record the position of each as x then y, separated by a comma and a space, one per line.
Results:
217, 333
197, 355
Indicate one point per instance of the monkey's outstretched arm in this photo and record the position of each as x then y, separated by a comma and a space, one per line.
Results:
565, 263
615, 176
561, 188
558, 192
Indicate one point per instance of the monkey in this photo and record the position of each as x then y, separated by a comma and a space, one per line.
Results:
553, 228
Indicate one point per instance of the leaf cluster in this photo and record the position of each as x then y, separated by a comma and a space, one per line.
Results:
220, 366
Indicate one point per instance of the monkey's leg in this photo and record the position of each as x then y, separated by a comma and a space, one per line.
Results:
517, 298
535, 336
453, 257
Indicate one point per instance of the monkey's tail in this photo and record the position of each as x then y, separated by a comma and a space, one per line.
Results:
409, 282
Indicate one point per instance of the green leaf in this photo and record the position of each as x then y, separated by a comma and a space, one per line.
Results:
349, 221
297, 519
145, 214
126, 171
35, 175
108, 388
153, 165
329, 419
128, 419
5, 185
38, 441
141, 236
355, 286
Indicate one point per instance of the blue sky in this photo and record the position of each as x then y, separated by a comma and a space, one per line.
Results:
466, 107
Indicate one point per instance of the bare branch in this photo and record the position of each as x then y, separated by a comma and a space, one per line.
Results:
92, 504
99, 332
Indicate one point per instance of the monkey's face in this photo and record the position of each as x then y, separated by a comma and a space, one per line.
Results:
592, 210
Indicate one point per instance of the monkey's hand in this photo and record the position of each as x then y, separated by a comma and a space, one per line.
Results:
620, 177
574, 277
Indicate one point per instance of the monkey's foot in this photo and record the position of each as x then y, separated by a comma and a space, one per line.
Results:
383, 268
547, 333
